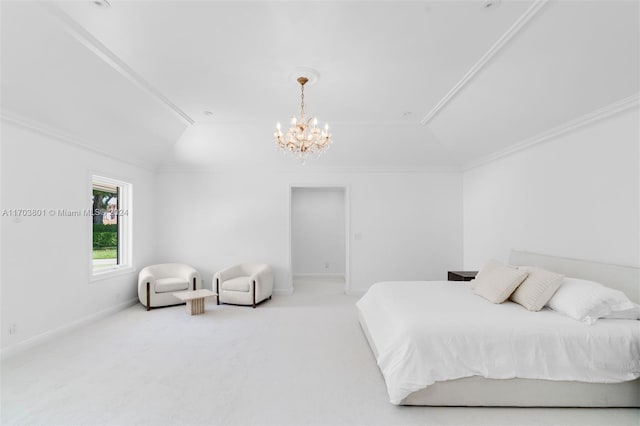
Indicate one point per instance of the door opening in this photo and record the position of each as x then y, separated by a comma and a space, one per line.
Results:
319, 223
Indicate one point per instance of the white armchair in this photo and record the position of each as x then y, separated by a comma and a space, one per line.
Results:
157, 283
244, 284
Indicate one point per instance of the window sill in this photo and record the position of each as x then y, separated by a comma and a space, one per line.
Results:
115, 272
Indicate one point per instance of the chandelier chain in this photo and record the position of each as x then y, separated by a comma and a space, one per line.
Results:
302, 103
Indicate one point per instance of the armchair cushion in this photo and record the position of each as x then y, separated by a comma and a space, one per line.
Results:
237, 284
165, 285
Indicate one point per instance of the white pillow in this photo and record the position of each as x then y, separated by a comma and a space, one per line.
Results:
497, 281
587, 301
536, 290
491, 264
629, 314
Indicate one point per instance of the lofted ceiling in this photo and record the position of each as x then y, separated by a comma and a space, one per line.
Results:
404, 84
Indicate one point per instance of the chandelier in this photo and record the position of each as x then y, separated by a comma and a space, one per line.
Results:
304, 138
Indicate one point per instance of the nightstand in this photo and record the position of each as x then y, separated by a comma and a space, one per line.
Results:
461, 275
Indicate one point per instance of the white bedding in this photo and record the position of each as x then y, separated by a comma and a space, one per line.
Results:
424, 332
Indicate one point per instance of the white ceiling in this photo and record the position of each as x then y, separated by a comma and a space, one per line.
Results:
130, 78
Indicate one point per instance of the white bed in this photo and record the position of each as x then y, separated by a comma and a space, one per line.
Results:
437, 343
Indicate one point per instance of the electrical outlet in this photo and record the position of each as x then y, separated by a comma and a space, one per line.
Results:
13, 329
326, 265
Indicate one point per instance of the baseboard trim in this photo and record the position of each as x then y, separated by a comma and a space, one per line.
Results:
283, 291
41, 338
319, 275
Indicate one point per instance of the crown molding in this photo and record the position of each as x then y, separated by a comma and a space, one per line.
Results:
85, 38
484, 60
570, 126
396, 123
189, 169
42, 129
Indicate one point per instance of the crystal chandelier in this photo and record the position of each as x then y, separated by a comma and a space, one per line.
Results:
304, 138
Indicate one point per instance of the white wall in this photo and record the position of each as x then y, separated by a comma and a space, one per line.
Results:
318, 231
575, 196
410, 224
46, 260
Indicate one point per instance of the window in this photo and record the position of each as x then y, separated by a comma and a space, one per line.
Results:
111, 225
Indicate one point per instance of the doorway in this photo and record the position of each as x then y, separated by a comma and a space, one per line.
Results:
319, 247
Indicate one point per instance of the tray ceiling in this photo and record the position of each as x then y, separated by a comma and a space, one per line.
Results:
132, 77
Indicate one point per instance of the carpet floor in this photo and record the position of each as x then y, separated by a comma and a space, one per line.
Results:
294, 360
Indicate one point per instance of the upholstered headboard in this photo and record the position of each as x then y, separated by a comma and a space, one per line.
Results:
624, 278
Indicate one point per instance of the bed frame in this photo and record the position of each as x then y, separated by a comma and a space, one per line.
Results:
479, 391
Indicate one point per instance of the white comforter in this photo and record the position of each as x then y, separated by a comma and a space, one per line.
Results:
424, 332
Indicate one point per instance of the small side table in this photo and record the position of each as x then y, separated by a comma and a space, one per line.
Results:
461, 275
195, 299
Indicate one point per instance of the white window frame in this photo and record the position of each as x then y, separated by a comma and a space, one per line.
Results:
125, 221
